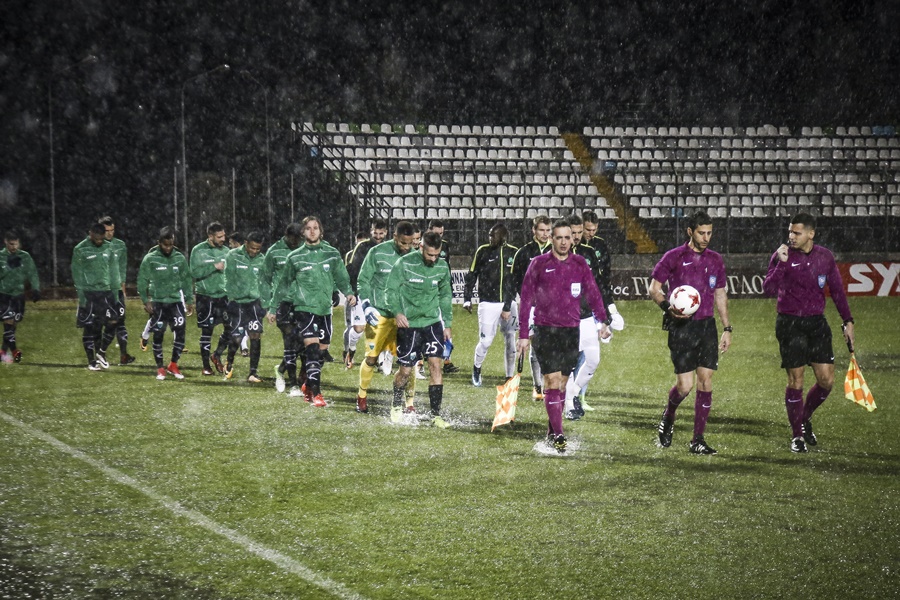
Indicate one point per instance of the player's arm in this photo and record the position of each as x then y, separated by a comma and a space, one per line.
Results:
776, 272
839, 297
657, 295
78, 276
472, 278
445, 299
143, 283
394, 294
595, 300
187, 287
519, 268
529, 285
721, 299
199, 268
123, 267
342, 280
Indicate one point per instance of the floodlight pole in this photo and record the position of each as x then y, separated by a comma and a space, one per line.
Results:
223, 67
90, 59
271, 209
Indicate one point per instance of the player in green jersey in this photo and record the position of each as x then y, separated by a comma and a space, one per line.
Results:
165, 287
208, 271
280, 309
95, 271
121, 331
420, 296
381, 332
309, 276
245, 290
16, 269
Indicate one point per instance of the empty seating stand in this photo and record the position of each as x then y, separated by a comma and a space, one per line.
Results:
754, 171
482, 173
458, 172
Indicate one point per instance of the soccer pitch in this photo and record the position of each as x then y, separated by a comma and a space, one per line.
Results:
113, 484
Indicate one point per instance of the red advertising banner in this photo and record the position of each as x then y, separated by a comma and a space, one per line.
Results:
860, 279
871, 279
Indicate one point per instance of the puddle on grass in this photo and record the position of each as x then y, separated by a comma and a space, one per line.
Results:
545, 449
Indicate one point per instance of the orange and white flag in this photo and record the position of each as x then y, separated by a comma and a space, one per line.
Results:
855, 387
507, 395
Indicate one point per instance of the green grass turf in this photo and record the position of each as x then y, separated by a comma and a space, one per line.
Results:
389, 511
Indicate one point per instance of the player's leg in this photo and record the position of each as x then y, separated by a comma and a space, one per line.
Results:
9, 339
236, 318
707, 363
378, 337
430, 349
84, 318
205, 323
821, 358
702, 407
145, 334
793, 338
588, 359
177, 321
313, 355
122, 332
488, 321
509, 329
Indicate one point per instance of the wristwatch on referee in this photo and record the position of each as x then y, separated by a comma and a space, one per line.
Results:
727, 329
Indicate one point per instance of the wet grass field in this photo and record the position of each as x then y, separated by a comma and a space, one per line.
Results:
115, 485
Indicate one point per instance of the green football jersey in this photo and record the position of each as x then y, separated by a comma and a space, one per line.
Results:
94, 268
373, 275
12, 279
121, 251
422, 293
208, 280
168, 276
276, 259
242, 276
309, 277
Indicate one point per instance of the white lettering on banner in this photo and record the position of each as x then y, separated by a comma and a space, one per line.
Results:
740, 285
890, 274
638, 282
863, 278
862, 283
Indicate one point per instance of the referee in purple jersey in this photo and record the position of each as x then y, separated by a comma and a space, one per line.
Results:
554, 284
693, 340
798, 273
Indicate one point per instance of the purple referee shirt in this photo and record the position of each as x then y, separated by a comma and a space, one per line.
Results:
704, 271
555, 287
799, 283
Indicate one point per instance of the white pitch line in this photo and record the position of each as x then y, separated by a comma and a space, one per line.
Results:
277, 558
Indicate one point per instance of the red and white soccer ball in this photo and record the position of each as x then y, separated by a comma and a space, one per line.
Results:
685, 300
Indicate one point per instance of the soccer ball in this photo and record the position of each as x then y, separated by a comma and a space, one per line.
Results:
685, 300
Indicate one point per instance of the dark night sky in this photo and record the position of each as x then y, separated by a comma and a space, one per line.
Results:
117, 122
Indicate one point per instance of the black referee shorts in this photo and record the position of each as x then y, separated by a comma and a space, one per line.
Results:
556, 348
694, 344
803, 341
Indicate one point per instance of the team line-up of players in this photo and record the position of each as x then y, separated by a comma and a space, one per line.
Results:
398, 297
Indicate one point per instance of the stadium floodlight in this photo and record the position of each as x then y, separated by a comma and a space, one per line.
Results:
222, 67
90, 59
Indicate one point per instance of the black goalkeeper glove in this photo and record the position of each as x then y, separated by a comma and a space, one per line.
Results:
35, 296
14, 261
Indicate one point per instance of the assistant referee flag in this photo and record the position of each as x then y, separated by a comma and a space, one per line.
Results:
855, 387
